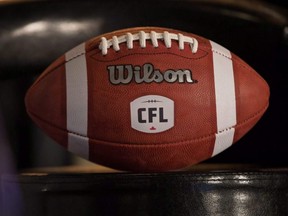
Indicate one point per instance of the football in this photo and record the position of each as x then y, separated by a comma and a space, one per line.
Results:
147, 99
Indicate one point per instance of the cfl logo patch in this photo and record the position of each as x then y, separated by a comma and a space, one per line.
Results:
152, 114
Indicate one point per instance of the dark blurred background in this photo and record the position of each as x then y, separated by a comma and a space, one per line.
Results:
34, 33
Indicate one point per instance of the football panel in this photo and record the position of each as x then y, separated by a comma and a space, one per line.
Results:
46, 99
245, 127
251, 90
56, 133
160, 157
77, 100
111, 121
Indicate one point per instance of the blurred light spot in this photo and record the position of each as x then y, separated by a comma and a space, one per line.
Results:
215, 179
31, 28
63, 27
242, 179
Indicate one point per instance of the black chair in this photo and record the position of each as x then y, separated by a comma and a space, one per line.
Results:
33, 34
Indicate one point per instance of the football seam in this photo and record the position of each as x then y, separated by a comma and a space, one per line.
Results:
70, 59
241, 64
213, 50
160, 53
195, 139
220, 53
91, 55
241, 124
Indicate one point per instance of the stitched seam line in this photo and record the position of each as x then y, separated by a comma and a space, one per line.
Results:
159, 144
195, 139
161, 53
240, 64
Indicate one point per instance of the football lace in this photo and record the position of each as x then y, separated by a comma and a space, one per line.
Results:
142, 37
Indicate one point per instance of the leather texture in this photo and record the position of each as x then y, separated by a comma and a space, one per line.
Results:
226, 193
254, 32
32, 40
111, 139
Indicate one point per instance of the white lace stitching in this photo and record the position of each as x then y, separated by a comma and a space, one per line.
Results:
142, 37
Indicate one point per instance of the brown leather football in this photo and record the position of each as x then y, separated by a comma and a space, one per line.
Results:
147, 99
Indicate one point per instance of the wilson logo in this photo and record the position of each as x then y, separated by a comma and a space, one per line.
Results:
125, 74
152, 114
